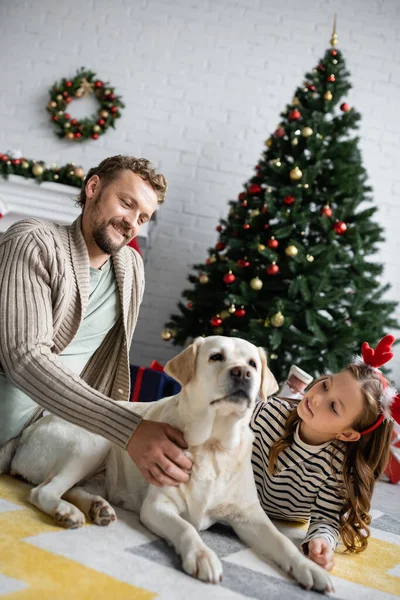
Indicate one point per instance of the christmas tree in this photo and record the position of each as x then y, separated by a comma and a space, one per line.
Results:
292, 269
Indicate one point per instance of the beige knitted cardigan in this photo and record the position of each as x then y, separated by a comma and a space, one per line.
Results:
44, 290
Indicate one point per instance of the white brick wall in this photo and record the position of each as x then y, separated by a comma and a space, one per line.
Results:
204, 83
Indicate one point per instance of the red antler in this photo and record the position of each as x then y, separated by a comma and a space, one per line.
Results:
381, 354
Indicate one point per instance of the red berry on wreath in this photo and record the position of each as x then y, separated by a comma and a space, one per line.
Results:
229, 277
68, 100
112, 96
65, 94
289, 200
74, 122
240, 312
344, 107
272, 243
218, 228
340, 227
54, 118
272, 269
69, 84
16, 161
190, 304
95, 136
99, 84
67, 116
220, 246
4, 157
101, 122
114, 109
254, 189
77, 135
279, 132
326, 211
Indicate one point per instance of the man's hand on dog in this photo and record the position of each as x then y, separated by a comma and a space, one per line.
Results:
320, 552
156, 449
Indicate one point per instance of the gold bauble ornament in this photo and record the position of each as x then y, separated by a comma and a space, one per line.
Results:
295, 101
96, 128
203, 278
291, 251
276, 162
255, 212
261, 247
79, 172
232, 309
277, 319
25, 164
306, 131
60, 113
212, 258
107, 92
295, 141
256, 283
52, 104
267, 322
310, 257
59, 97
225, 314
295, 174
67, 125
328, 95
306, 186
268, 142
37, 170
69, 136
104, 114
166, 335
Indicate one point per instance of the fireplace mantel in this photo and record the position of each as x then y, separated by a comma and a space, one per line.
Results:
21, 198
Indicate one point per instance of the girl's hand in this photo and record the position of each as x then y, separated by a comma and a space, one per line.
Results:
321, 553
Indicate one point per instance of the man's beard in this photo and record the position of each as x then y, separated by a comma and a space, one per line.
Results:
101, 235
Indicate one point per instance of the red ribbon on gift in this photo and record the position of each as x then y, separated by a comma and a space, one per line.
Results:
155, 366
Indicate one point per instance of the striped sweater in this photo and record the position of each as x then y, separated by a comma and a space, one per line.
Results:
44, 291
307, 487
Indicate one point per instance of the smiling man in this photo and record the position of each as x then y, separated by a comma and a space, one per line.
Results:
69, 303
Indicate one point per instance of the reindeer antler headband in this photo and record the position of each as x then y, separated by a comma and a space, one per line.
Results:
390, 400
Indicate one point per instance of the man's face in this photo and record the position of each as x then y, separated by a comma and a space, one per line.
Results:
114, 212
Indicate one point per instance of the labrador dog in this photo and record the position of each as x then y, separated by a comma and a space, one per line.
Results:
78, 474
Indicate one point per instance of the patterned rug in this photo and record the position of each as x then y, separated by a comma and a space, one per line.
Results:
39, 560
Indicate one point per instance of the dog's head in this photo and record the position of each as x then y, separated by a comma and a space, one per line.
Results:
223, 372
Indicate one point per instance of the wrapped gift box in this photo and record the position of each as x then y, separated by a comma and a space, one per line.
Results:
151, 383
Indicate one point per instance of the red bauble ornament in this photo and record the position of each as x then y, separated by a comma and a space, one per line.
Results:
272, 269
99, 84
334, 52
266, 226
54, 118
254, 189
289, 200
69, 84
344, 107
77, 134
16, 161
244, 203
229, 277
257, 167
340, 227
190, 305
243, 263
321, 67
95, 136
272, 243
218, 228
294, 115
74, 122
240, 312
311, 87
280, 132
67, 116
68, 99
220, 246
246, 226
114, 109
101, 122
331, 78
216, 321
242, 196
4, 157
65, 94
327, 211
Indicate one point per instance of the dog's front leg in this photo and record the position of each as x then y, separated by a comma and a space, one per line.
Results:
161, 515
257, 531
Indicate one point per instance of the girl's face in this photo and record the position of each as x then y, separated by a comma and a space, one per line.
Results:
330, 407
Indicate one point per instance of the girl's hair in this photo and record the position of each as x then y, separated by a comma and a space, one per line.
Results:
364, 460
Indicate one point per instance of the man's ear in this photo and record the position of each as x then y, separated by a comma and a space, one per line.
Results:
92, 185
182, 367
349, 436
269, 384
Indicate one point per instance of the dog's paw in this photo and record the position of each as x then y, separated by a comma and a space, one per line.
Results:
202, 563
101, 513
69, 516
311, 576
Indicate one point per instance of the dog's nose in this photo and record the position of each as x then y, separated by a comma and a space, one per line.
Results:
240, 373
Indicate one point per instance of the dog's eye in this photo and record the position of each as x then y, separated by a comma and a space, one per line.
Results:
252, 364
217, 356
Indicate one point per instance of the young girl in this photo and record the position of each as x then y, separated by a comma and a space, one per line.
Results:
319, 461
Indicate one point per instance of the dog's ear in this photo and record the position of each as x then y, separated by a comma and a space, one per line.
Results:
182, 366
269, 384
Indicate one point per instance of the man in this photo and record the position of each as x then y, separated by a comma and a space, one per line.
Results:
69, 302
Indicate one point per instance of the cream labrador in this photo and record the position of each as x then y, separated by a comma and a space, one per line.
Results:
75, 471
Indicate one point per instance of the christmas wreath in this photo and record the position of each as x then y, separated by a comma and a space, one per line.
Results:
83, 84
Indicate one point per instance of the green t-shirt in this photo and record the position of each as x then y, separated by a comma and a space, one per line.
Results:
103, 311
